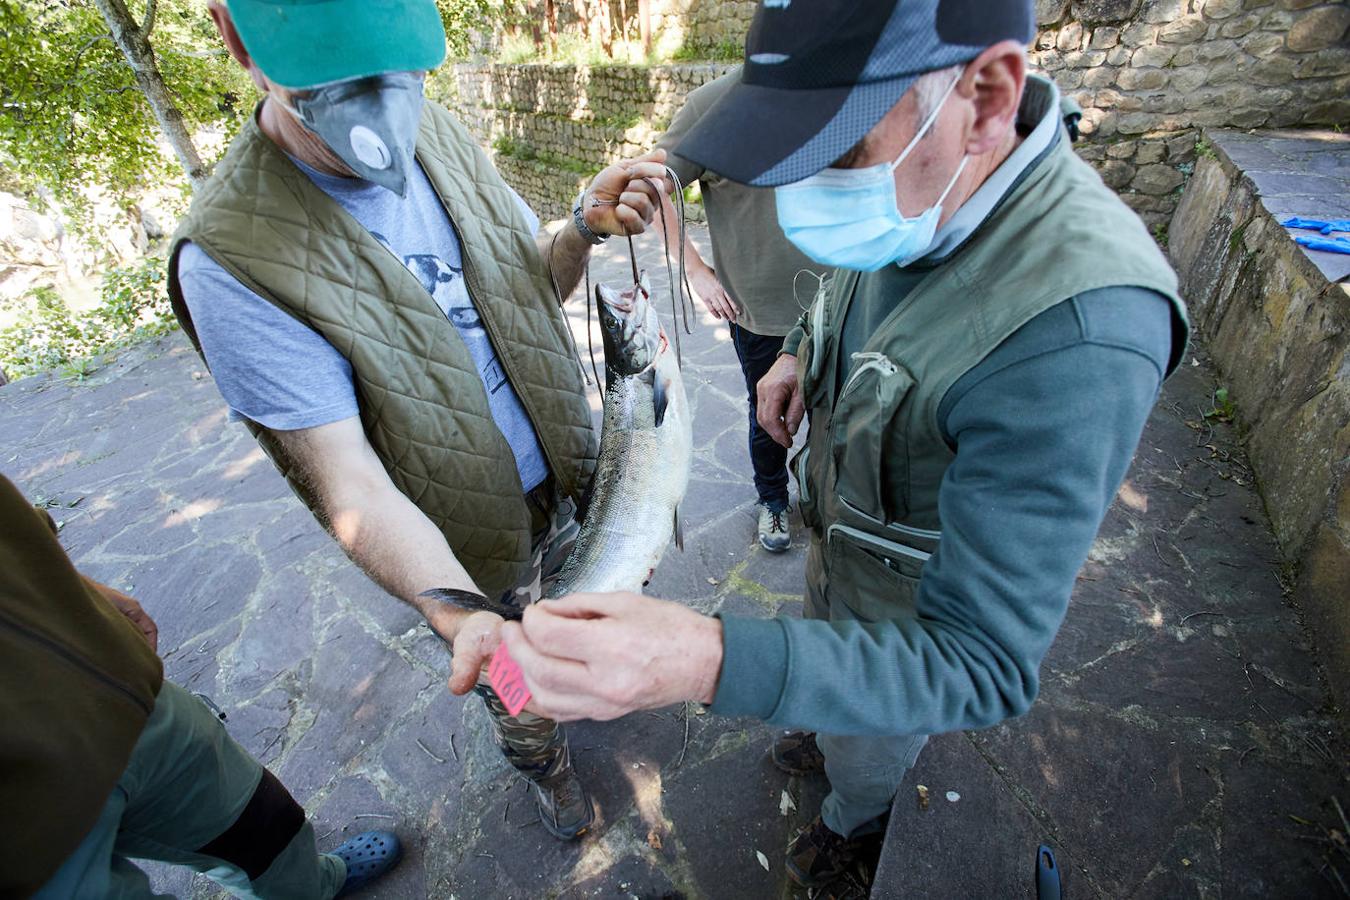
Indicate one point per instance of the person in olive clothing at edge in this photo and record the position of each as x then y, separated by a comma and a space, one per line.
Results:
105, 761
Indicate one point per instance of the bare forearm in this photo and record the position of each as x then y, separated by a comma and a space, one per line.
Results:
397, 546
565, 253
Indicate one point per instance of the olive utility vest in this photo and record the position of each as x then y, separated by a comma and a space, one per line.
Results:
875, 456
423, 405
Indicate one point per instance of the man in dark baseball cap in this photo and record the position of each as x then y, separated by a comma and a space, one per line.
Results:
819, 75
977, 372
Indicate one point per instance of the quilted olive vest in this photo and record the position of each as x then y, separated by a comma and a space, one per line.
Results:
422, 403
870, 473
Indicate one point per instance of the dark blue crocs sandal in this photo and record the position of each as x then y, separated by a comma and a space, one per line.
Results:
368, 856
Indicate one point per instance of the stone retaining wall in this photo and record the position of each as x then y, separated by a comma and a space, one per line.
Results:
1148, 73
1278, 328
551, 127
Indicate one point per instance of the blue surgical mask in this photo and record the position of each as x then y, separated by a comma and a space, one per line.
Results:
370, 123
849, 217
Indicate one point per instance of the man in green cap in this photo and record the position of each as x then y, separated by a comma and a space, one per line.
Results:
372, 302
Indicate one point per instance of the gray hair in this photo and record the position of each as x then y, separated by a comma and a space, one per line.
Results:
931, 86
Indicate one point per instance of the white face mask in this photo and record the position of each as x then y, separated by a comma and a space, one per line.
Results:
850, 218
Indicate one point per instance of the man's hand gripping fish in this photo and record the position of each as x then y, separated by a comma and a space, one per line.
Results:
645, 448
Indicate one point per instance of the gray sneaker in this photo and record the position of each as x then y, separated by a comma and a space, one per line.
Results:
564, 807
774, 533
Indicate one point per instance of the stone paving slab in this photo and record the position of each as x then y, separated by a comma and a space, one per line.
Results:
1297, 173
340, 689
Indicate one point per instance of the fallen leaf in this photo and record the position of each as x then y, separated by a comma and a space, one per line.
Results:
763, 860
785, 803
1185, 861
922, 791
654, 839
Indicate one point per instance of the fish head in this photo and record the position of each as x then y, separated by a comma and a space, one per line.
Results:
629, 327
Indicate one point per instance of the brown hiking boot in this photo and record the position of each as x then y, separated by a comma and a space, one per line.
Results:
796, 753
564, 807
818, 856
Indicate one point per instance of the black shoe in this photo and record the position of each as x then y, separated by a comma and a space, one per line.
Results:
796, 753
818, 856
564, 807
855, 884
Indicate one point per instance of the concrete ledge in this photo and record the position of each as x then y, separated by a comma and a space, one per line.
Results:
1277, 321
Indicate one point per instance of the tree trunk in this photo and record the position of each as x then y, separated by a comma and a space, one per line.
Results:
551, 14
603, 18
134, 42
645, 25
583, 16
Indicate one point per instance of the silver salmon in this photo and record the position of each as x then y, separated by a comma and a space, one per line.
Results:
645, 448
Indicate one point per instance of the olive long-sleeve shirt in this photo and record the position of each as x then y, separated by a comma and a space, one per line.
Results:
1044, 429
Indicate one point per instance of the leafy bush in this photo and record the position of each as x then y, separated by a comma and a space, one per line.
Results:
133, 304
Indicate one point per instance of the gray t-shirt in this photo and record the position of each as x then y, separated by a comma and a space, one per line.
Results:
283, 375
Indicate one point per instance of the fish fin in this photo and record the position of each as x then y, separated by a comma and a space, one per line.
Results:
679, 531
660, 397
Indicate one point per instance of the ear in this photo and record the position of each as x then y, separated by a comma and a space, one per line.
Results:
994, 81
225, 25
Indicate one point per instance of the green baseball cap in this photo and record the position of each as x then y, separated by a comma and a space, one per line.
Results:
306, 43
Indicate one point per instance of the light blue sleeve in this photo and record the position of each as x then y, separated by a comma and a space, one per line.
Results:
525, 208
268, 366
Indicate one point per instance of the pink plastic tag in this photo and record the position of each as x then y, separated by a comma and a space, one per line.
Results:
506, 679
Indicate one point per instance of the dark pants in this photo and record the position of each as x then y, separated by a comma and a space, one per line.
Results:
757, 354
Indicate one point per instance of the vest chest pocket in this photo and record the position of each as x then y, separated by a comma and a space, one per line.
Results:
871, 462
869, 577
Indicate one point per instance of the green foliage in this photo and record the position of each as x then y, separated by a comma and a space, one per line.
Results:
721, 51
133, 304
1205, 150
508, 146
73, 114
571, 48
1223, 409
464, 17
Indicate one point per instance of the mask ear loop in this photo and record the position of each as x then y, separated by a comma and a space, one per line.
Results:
928, 122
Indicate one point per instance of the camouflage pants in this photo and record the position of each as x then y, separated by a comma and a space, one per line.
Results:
535, 746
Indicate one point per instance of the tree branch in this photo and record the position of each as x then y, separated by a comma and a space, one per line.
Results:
148, 24
75, 63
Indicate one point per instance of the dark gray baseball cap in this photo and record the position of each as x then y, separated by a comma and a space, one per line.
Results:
819, 74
